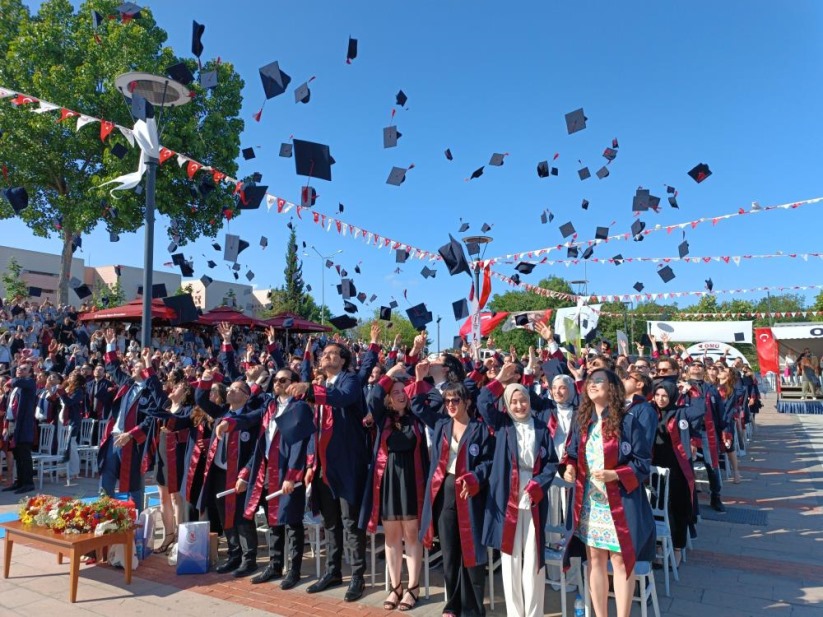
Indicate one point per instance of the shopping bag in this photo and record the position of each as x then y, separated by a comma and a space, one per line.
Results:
144, 532
193, 548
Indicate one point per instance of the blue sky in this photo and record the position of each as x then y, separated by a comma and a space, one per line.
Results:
735, 85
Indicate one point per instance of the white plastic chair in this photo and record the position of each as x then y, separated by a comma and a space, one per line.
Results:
645, 578
85, 450
52, 463
557, 536
658, 492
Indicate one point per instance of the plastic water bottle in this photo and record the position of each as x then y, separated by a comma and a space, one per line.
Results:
579, 607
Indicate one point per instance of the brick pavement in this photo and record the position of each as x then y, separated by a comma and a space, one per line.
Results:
734, 569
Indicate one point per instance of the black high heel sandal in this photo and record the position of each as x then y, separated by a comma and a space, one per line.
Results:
405, 606
168, 540
395, 591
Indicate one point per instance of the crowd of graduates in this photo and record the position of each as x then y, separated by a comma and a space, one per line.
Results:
440, 450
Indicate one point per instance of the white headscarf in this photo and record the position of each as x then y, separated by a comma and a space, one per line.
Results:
524, 427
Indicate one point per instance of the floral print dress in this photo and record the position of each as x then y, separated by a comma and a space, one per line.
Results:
596, 527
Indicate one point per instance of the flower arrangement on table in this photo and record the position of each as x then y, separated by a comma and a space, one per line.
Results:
69, 515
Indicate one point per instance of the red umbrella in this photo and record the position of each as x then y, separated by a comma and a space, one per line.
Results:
231, 315
488, 322
133, 311
297, 323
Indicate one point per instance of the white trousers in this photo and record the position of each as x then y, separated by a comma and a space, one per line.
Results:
523, 585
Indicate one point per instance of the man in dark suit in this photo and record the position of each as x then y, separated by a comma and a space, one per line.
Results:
20, 414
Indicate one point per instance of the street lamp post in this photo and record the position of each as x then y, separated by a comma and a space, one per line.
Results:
323, 259
438, 333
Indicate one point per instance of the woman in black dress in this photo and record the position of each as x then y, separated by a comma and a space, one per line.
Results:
394, 494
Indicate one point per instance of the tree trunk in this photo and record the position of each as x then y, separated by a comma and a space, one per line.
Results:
65, 267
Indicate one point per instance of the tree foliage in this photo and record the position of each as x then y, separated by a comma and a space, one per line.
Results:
108, 296
14, 285
399, 325
57, 57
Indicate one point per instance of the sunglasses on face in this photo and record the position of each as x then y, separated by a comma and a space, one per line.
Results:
597, 381
282, 380
452, 401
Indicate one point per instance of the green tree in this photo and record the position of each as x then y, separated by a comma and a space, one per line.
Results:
182, 289
107, 296
14, 285
291, 297
818, 302
57, 57
399, 325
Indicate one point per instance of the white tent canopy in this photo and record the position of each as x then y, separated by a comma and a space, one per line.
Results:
715, 350
703, 331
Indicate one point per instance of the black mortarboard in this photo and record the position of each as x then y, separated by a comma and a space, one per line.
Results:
128, 8
397, 176
524, 267
544, 217
419, 316
172, 246
401, 98
457, 343
248, 153
250, 275
486, 228
666, 273
448, 154
206, 280
234, 246
361, 297
295, 424
119, 150
385, 313
178, 258
572, 252
347, 289
357, 269
464, 227
96, 19
497, 159
683, 248
618, 259
739, 337
640, 201
183, 305
114, 236
584, 173
210, 263
251, 197
709, 284
235, 275
390, 136
76, 243
515, 278
75, 282
552, 368
141, 109
286, 150
567, 229
472, 248
208, 79
454, 257
18, 198
588, 252
460, 308
373, 297
610, 154
428, 272
35, 292
349, 307
673, 202
343, 322
638, 286
302, 94
585, 204
601, 233
308, 196
645, 340
216, 246
180, 73
196, 44
206, 186
543, 169
274, 80
477, 173
637, 229
312, 159
118, 270
329, 263
264, 241
393, 304
603, 172
400, 256
700, 172
83, 291
351, 50
235, 267
575, 121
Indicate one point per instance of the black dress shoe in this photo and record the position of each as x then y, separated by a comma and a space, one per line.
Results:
228, 566
13, 487
246, 568
270, 572
291, 580
356, 588
28, 488
717, 505
326, 581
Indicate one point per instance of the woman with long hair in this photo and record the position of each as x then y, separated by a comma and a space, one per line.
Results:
733, 398
456, 489
608, 458
73, 400
394, 494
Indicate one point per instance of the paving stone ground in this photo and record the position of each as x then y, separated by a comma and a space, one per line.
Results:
734, 570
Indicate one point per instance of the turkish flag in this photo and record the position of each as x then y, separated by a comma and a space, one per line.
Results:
767, 350
488, 322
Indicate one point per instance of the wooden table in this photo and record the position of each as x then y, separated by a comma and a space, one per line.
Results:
73, 545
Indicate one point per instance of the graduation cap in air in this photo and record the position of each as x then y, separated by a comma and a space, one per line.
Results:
286, 150
234, 246
83, 291
141, 109
486, 228
610, 154
464, 227
357, 269
515, 278
274, 80
427, 272
129, 9
393, 304
351, 50
673, 201
35, 292
567, 229
216, 246
308, 196
454, 257
180, 73
308, 287
603, 172
448, 154
18, 197
347, 289
114, 236
184, 308
739, 337
401, 98
524, 267
158, 290
457, 343
385, 313
400, 256
497, 159
585, 204
390, 136
302, 94
575, 121
666, 273
584, 173
197, 31
264, 241
618, 259
96, 20
476, 173
397, 175
118, 271
572, 252
343, 322
544, 217
709, 284
172, 246
601, 233
75, 282
119, 150
250, 197
296, 424
235, 267
419, 316
208, 79
638, 286
683, 248
461, 309
361, 297
76, 243
588, 252
700, 172
637, 229
640, 201
250, 275
206, 280
543, 169
312, 159
248, 153
178, 259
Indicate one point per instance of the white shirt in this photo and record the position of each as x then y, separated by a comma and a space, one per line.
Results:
125, 405
271, 429
15, 395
